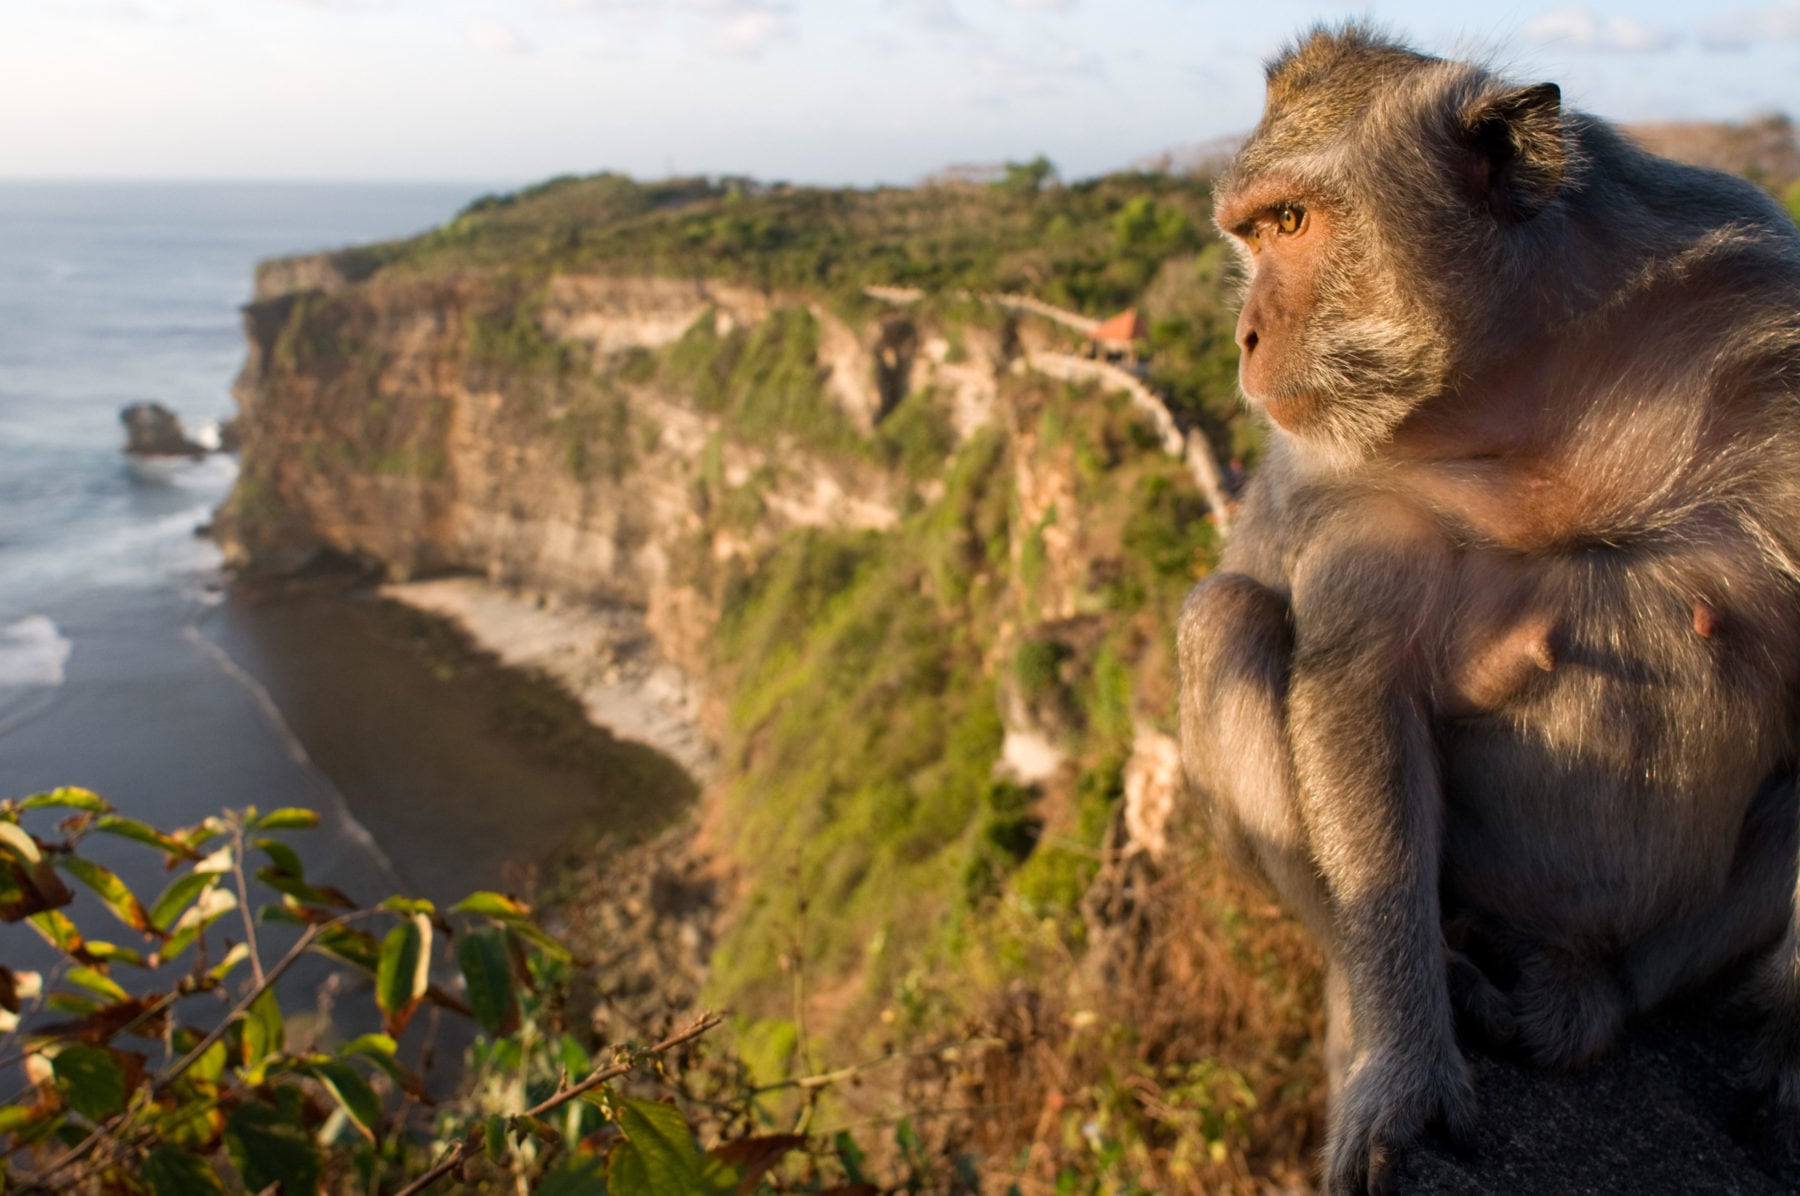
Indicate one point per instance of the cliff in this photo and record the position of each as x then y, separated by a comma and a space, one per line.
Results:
927, 588
922, 559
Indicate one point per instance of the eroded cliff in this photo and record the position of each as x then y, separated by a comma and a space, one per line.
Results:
929, 587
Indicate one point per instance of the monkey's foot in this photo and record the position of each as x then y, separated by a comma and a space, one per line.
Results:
1568, 1009
1392, 1098
1483, 1014
1768, 1116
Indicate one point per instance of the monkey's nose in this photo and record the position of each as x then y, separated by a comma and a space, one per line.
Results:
1248, 340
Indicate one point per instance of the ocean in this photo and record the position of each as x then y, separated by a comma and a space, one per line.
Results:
125, 664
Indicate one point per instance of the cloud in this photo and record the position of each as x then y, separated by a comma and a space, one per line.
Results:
746, 28
1043, 5
1584, 30
496, 38
932, 16
142, 12
340, 5
1742, 28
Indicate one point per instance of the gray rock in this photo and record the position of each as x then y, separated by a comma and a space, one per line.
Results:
152, 430
1657, 1116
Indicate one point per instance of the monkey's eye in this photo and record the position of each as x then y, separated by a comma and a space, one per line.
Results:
1288, 218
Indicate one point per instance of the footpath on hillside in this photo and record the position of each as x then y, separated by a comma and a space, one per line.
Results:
1190, 446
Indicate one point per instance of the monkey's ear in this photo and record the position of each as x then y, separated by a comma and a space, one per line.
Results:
1515, 156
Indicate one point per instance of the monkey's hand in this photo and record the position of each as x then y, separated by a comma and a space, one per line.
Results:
1393, 1096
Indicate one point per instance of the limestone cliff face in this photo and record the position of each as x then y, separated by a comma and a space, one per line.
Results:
539, 438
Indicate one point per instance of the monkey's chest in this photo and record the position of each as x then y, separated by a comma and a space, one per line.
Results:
1618, 718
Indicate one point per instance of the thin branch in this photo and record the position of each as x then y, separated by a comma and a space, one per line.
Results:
852, 1070
312, 931
562, 1096
75, 1153
243, 888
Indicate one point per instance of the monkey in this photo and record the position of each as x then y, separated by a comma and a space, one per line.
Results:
1505, 640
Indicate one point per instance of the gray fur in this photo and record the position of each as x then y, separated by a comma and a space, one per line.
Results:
1616, 818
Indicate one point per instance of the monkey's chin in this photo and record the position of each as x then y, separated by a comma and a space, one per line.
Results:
1293, 411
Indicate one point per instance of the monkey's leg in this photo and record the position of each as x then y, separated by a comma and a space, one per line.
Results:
1370, 799
1234, 649
1234, 653
1751, 912
1766, 860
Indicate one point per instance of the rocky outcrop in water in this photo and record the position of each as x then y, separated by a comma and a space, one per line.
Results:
152, 430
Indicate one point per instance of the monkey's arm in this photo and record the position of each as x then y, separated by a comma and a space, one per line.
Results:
1371, 805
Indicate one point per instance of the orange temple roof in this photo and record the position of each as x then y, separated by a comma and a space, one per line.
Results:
1123, 328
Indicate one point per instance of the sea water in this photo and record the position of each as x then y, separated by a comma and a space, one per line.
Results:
124, 665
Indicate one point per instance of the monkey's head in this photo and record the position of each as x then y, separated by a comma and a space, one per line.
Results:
1387, 208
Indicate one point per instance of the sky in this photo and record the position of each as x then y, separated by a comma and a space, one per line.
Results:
818, 91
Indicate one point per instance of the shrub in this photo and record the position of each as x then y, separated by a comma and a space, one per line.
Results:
172, 1068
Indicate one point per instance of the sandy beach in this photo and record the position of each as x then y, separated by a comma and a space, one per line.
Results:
602, 655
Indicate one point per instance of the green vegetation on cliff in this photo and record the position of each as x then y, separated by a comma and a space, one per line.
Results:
932, 589
1092, 245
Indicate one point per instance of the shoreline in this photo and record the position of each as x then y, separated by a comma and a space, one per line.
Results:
603, 656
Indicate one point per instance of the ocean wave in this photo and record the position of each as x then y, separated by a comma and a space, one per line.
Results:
33, 652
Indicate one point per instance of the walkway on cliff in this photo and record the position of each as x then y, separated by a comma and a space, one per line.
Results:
1191, 446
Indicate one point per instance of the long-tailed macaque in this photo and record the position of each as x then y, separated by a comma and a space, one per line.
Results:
1504, 647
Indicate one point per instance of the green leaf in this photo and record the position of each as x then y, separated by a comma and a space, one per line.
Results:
583, 1174
492, 905
213, 904
67, 1002
408, 905
171, 1171
355, 947
383, 1052
17, 841
139, 832
540, 940
284, 858
851, 1156
351, 1091
68, 799
403, 971
238, 953
112, 953
290, 818
658, 1155
16, 1117
57, 930
299, 890
264, 1033
200, 834
110, 889
183, 889
270, 1148
488, 972
494, 1138
210, 1066
97, 982
90, 1080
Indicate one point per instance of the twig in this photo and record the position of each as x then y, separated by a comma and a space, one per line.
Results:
563, 1095
849, 1071
243, 888
312, 931
75, 1153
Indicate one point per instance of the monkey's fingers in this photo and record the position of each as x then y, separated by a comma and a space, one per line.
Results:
1390, 1103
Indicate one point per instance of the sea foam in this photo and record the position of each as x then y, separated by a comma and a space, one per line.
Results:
32, 653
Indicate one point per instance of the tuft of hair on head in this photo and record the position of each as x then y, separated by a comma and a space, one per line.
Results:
1354, 49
